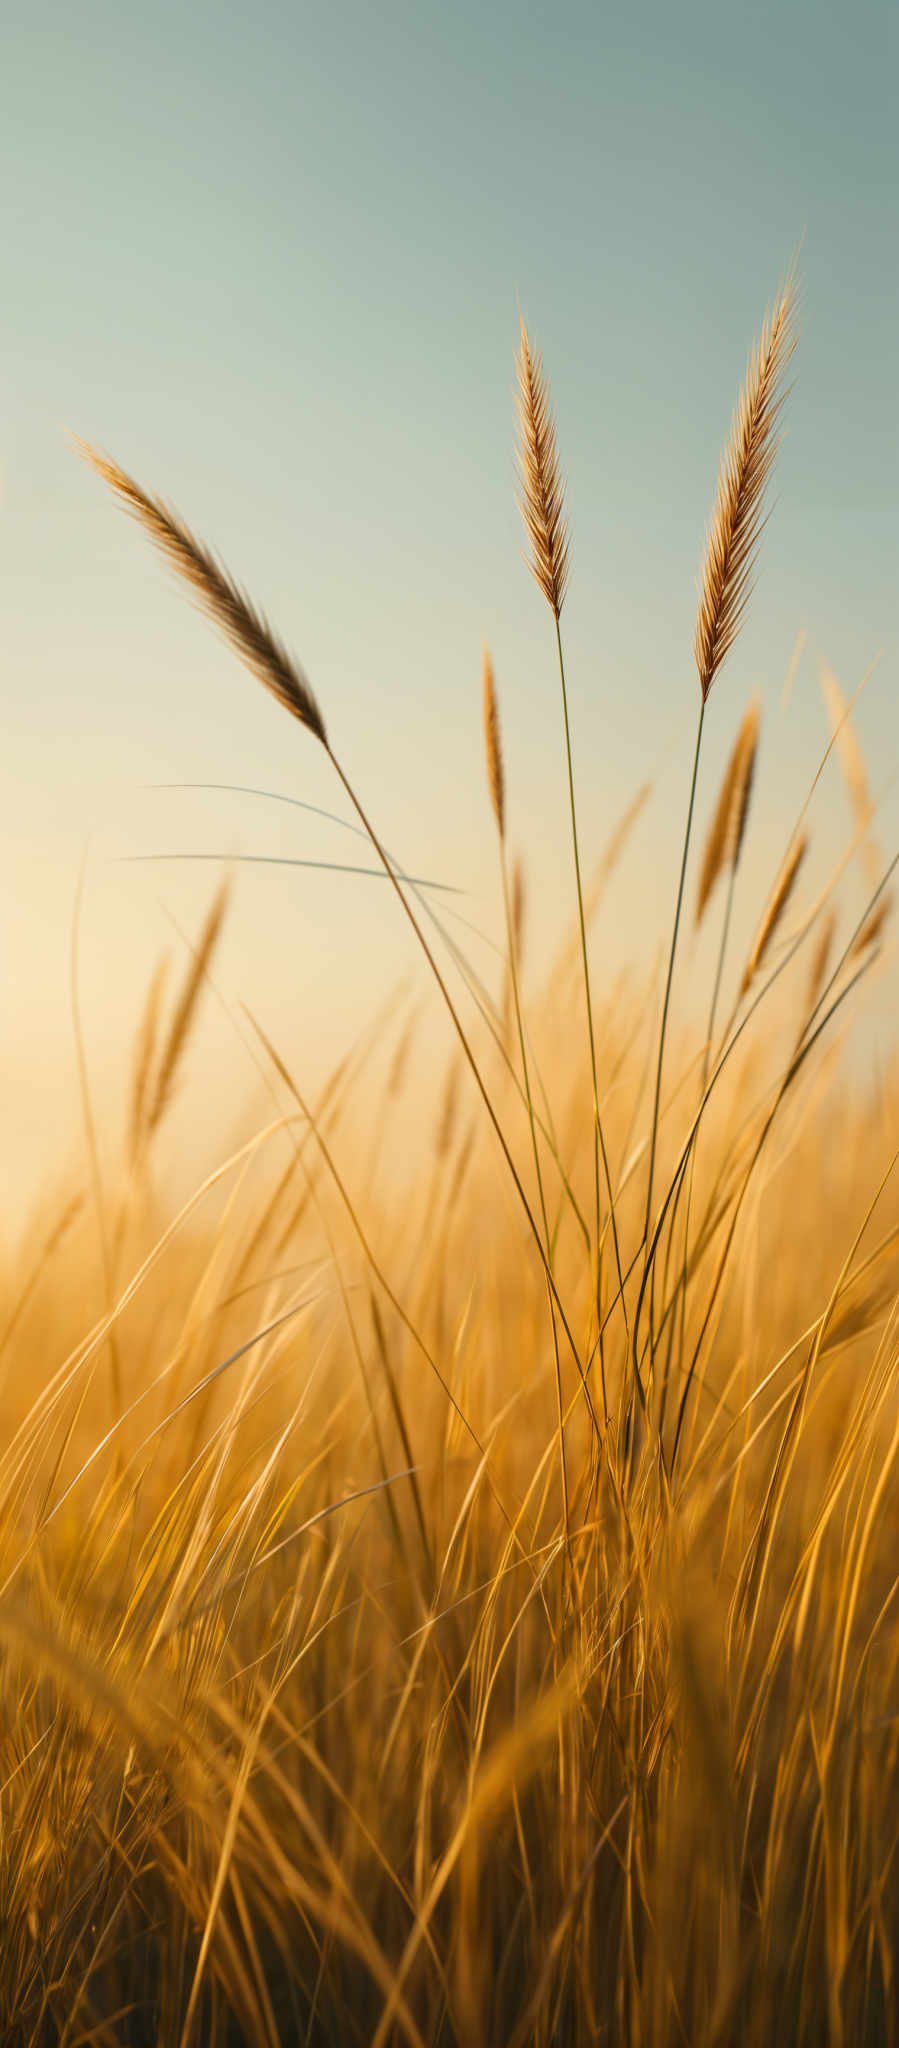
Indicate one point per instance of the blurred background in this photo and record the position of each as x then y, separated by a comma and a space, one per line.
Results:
273, 263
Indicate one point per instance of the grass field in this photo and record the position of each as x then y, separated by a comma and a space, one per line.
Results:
456, 1605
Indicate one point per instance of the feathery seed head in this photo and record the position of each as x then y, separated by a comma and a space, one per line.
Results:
725, 835
495, 774
746, 465
518, 906
542, 491
854, 771
446, 1122
820, 959
186, 1006
746, 750
144, 1055
216, 593
777, 903
872, 929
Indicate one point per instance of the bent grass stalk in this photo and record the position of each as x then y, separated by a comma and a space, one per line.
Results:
267, 657
270, 1669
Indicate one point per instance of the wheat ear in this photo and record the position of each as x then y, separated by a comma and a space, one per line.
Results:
746, 465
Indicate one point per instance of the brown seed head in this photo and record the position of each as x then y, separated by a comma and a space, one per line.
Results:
518, 906
185, 1008
145, 1050
820, 959
495, 775
747, 749
446, 1122
854, 771
216, 593
872, 929
542, 492
848, 748
777, 903
736, 523
725, 835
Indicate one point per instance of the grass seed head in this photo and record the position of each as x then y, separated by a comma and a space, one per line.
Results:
777, 903
737, 518
542, 490
216, 593
493, 744
725, 835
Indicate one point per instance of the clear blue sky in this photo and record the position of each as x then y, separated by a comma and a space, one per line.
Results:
271, 258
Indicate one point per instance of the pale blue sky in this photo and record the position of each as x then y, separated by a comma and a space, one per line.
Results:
271, 260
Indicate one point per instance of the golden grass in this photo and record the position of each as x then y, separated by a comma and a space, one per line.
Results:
442, 1631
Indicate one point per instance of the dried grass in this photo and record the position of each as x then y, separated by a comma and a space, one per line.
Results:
326, 1713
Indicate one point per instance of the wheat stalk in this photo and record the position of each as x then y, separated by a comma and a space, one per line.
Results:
746, 465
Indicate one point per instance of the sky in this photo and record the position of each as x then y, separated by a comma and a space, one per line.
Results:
272, 260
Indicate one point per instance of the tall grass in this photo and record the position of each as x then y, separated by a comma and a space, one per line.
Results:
467, 1612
